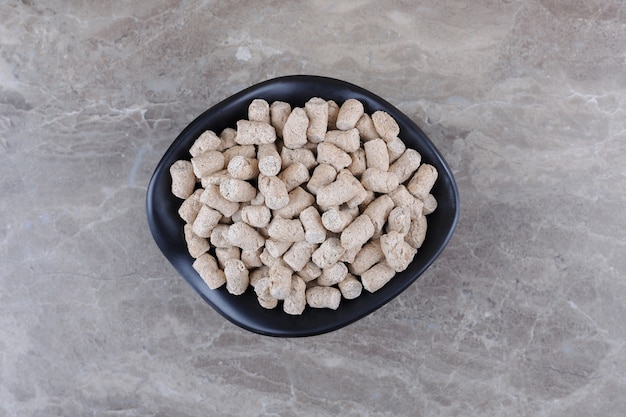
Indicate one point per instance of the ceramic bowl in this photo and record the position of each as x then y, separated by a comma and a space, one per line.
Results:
244, 310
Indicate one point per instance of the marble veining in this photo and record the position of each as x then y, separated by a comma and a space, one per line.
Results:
523, 313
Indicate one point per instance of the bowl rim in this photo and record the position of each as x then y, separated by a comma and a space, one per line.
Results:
162, 223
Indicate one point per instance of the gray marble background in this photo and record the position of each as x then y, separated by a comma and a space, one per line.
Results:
522, 315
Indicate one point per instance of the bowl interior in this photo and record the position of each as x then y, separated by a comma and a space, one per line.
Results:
244, 310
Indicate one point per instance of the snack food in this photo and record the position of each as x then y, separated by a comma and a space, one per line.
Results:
306, 205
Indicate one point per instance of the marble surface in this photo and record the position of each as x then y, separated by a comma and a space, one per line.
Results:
522, 315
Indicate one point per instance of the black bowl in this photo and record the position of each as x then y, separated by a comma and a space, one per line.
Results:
244, 310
